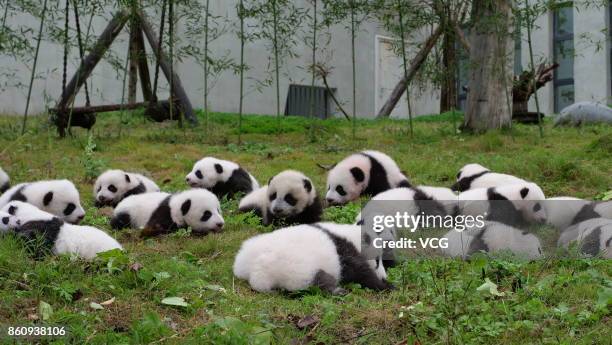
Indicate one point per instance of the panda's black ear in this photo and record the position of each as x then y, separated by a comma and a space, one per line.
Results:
307, 185
127, 178
524, 192
358, 174
218, 168
47, 199
270, 180
186, 206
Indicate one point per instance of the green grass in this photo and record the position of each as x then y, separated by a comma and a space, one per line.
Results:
436, 301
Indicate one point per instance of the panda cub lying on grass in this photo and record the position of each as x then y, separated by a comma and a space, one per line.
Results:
474, 176
593, 237
223, 178
5, 181
115, 185
290, 197
44, 232
7, 222
363, 173
58, 197
295, 258
161, 213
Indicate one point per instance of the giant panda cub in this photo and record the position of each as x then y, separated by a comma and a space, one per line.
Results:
5, 181
363, 173
493, 237
290, 198
297, 257
58, 197
474, 176
594, 237
115, 185
517, 205
223, 178
563, 212
33, 225
160, 213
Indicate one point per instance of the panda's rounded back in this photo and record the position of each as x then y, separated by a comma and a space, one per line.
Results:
140, 207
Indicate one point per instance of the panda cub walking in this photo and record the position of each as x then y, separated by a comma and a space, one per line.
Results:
58, 197
223, 178
295, 258
161, 213
115, 185
32, 224
363, 173
473, 176
290, 197
5, 181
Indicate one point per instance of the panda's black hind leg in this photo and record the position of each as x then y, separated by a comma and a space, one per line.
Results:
121, 221
327, 282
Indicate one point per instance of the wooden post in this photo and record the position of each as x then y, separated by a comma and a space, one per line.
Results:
133, 67
143, 66
164, 63
89, 63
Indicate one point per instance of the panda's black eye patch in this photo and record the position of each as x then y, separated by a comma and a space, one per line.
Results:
378, 262
5, 220
340, 190
290, 199
537, 207
99, 189
112, 188
12, 210
272, 196
458, 174
199, 174
206, 216
69, 209
218, 168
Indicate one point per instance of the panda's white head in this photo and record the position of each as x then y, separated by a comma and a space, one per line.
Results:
22, 212
208, 171
470, 170
8, 222
198, 209
58, 197
528, 198
289, 193
112, 185
348, 179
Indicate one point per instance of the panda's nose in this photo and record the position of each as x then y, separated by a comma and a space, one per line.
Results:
329, 200
102, 198
220, 225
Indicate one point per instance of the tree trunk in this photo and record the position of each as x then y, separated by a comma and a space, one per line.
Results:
448, 94
489, 60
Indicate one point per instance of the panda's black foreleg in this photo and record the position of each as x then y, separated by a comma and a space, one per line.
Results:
121, 221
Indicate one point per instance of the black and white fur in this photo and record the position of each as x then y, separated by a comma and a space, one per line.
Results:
160, 213
290, 197
491, 238
363, 173
58, 197
425, 200
297, 257
594, 237
54, 234
223, 178
474, 176
115, 185
7, 222
517, 205
5, 181
563, 212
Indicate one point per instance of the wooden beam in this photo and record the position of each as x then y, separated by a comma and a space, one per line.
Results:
164, 63
133, 67
143, 67
89, 63
415, 65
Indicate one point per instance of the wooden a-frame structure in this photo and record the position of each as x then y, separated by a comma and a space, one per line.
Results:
65, 115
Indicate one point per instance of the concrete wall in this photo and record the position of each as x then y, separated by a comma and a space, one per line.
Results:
106, 85
591, 68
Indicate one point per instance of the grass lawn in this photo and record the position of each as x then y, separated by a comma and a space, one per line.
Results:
557, 301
